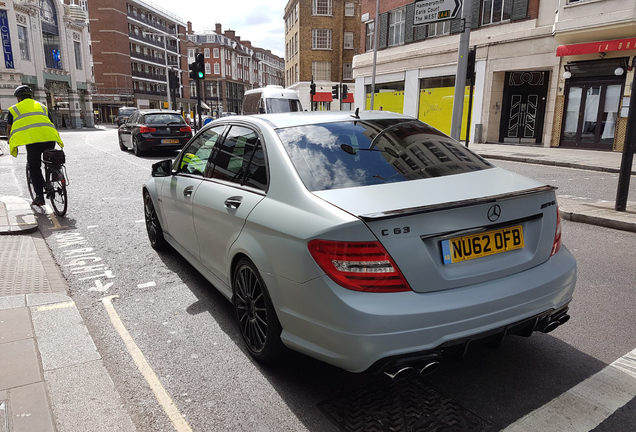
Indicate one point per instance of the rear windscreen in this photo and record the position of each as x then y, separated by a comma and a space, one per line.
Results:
283, 105
361, 153
163, 119
126, 111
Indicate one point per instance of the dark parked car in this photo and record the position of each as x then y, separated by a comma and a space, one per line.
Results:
3, 123
152, 130
124, 113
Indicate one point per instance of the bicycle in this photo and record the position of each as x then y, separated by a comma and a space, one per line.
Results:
55, 180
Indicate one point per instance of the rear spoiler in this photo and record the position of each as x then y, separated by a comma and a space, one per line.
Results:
455, 204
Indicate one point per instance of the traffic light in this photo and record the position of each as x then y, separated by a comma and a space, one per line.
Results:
470, 65
200, 68
312, 87
345, 91
334, 91
193, 70
173, 79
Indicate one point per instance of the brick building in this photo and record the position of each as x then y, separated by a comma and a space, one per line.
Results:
136, 46
232, 66
321, 38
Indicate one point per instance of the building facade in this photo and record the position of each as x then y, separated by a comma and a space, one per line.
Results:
520, 91
47, 46
136, 47
321, 39
232, 66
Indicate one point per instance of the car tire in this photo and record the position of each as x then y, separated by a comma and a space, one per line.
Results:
135, 146
153, 227
122, 147
255, 314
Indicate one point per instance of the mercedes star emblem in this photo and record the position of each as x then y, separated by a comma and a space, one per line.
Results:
494, 212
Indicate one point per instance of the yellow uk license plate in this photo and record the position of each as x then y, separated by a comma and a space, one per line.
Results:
170, 141
483, 244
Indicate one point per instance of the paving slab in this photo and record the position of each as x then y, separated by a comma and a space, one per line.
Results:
19, 364
46, 298
29, 408
15, 324
63, 339
12, 301
84, 398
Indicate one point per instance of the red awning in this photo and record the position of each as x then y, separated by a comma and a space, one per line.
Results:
322, 97
348, 99
597, 47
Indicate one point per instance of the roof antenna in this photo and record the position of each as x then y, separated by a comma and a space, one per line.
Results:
355, 115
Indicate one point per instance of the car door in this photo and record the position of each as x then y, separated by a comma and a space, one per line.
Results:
238, 181
177, 193
125, 130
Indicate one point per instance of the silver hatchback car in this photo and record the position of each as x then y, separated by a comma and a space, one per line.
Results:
369, 240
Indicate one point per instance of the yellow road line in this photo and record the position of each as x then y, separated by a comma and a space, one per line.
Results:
55, 306
51, 213
157, 388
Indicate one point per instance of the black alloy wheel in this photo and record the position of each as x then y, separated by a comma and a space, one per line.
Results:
255, 313
155, 233
136, 149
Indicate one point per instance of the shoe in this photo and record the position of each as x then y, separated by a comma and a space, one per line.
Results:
38, 201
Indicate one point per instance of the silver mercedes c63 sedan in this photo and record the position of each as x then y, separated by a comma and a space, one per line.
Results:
365, 240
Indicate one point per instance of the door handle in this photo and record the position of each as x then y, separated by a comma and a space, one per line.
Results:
233, 203
188, 191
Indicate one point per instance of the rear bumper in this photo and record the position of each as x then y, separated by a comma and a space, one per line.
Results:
355, 331
156, 144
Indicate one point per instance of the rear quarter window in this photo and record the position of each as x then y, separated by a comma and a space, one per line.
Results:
363, 153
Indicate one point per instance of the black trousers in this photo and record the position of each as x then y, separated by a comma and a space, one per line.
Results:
34, 158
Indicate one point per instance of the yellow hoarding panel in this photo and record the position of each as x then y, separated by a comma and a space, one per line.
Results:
389, 101
436, 108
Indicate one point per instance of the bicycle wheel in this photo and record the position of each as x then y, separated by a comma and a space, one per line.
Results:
29, 182
58, 192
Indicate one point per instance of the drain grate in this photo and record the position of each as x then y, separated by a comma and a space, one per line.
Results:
404, 405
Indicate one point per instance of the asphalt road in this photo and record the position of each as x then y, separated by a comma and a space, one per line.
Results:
186, 331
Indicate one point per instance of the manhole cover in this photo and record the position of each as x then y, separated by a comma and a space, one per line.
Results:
405, 405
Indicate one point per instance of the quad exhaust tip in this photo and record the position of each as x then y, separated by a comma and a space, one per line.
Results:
423, 368
555, 322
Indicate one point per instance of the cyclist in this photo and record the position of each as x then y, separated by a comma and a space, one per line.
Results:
29, 123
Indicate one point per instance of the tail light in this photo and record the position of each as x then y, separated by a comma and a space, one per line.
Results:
556, 245
358, 266
185, 129
146, 129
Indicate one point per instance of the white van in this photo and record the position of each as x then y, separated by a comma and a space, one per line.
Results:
271, 99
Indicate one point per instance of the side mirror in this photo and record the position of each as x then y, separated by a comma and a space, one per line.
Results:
261, 110
162, 169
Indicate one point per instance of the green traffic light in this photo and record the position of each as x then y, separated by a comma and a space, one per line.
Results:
200, 74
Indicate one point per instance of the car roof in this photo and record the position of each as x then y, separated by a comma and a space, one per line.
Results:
284, 120
273, 91
158, 111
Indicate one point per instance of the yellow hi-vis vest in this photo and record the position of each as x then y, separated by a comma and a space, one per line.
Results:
31, 124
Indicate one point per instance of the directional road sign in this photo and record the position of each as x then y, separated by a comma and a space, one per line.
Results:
430, 11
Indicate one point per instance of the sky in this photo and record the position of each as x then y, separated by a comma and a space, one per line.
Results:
259, 21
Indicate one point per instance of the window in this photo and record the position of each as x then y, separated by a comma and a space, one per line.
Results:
396, 27
321, 39
350, 9
370, 39
439, 29
23, 36
78, 55
217, 68
206, 52
240, 159
321, 70
50, 34
296, 43
348, 40
195, 157
321, 7
494, 11
347, 71
215, 52
208, 69
191, 54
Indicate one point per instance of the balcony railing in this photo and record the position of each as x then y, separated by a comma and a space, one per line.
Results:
150, 92
141, 74
172, 48
143, 56
158, 26
143, 38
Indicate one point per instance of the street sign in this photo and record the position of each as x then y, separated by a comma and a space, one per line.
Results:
430, 11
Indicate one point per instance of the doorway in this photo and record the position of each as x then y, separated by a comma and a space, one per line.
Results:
590, 113
523, 107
